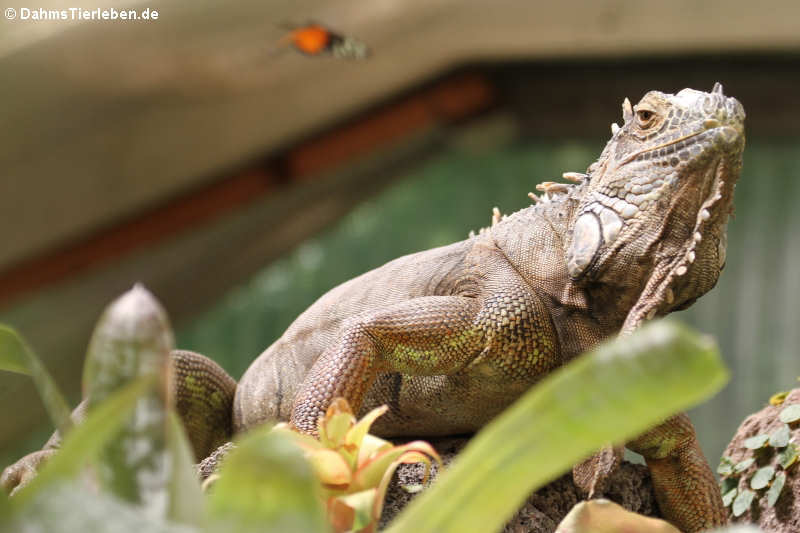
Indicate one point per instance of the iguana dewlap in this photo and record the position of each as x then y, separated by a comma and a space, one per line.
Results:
450, 337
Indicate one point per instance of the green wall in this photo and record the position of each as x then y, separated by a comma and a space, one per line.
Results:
753, 312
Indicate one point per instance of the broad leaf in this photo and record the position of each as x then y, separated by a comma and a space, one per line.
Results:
743, 502
14, 353
362, 503
266, 485
762, 477
725, 467
132, 340
743, 465
790, 413
612, 394
186, 501
775, 489
86, 441
727, 497
780, 437
72, 507
754, 443
788, 456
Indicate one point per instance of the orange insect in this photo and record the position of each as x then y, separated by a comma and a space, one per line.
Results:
315, 39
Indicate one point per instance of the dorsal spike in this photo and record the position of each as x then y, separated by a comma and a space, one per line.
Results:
717, 88
627, 111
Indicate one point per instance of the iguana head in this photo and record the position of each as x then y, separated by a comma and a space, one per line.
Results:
658, 199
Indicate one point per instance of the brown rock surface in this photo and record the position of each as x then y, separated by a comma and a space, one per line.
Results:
629, 486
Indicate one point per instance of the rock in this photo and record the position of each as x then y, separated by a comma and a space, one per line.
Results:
629, 486
784, 515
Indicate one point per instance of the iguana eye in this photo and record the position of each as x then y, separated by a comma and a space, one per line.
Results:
644, 117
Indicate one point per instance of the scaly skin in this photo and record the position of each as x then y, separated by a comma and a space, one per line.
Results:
450, 337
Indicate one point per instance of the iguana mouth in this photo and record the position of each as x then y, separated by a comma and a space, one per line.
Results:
673, 142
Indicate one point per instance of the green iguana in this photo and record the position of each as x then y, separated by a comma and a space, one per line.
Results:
449, 337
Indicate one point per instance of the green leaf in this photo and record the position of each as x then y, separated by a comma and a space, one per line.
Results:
788, 456
790, 413
742, 502
603, 396
362, 504
725, 467
741, 466
754, 443
727, 497
266, 485
133, 339
775, 489
17, 356
728, 483
762, 477
85, 443
14, 353
70, 507
186, 501
780, 437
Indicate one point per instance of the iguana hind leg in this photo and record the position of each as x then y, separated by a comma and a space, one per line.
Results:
203, 400
686, 491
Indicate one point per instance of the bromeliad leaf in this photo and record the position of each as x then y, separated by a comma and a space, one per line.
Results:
17, 356
335, 424
330, 468
362, 503
355, 467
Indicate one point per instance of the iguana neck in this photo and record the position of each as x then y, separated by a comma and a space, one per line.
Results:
534, 240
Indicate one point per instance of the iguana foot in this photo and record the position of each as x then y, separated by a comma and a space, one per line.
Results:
16, 476
592, 474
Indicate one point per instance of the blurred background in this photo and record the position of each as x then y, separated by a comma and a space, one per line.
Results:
239, 179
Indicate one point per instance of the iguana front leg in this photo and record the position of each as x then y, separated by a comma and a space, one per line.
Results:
503, 338
422, 336
686, 491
